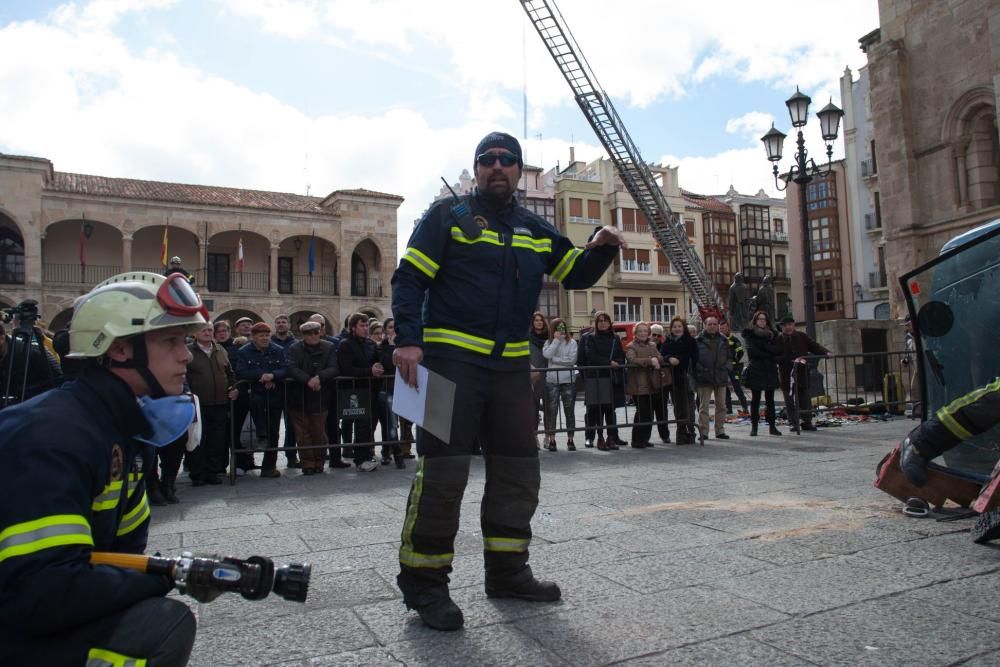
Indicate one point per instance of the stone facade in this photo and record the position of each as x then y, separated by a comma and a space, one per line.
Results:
74, 230
935, 80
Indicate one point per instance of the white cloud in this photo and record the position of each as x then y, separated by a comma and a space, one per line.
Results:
754, 123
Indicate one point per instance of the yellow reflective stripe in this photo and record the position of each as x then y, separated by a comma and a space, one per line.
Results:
52, 531
516, 349
505, 544
424, 263
413, 559
945, 414
531, 243
566, 264
108, 498
102, 657
459, 339
134, 517
486, 236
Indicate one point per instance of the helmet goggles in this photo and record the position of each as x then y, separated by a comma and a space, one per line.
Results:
177, 297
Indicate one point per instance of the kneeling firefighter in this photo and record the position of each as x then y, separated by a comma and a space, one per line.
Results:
74, 461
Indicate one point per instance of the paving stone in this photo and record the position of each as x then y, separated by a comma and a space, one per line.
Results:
816, 585
670, 537
277, 548
498, 645
890, 631
937, 558
779, 552
572, 554
974, 596
676, 570
178, 525
622, 628
740, 650
369, 657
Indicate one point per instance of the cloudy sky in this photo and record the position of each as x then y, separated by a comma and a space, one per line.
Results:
291, 95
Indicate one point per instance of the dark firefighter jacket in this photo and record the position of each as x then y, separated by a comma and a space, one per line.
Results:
72, 478
472, 299
965, 417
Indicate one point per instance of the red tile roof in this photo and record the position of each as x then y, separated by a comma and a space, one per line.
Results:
211, 195
706, 202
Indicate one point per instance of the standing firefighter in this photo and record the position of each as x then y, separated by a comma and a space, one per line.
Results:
73, 478
463, 298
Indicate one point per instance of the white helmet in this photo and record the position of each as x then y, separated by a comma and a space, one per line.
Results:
130, 304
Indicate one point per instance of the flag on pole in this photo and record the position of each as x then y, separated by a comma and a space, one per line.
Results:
83, 259
312, 253
239, 257
164, 256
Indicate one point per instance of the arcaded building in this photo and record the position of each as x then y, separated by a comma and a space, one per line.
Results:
61, 233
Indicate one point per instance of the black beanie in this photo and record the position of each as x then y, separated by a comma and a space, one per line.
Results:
498, 140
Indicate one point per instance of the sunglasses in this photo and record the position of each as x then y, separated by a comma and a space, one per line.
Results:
490, 159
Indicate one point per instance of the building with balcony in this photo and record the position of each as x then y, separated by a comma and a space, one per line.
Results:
60, 233
870, 283
763, 242
933, 70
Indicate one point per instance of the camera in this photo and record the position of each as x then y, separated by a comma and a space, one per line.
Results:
26, 312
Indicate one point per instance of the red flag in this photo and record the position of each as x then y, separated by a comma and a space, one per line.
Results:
239, 257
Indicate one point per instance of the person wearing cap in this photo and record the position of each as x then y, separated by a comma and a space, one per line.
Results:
333, 432
243, 326
312, 365
463, 296
795, 345
211, 378
76, 459
284, 337
176, 267
264, 365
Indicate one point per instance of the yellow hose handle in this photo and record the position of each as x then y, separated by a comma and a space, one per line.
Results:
126, 561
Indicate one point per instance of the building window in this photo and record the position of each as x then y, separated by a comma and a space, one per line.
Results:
824, 241
755, 223
779, 226
689, 228
359, 276
11, 257
662, 310
597, 299
634, 260
756, 261
822, 192
593, 211
662, 264
780, 267
828, 291
548, 299
575, 210
628, 308
580, 303
544, 208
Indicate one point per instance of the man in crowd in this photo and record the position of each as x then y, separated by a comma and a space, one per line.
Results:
284, 338
211, 378
463, 297
736, 352
711, 374
176, 266
264, 365
358, 358
243, 327
794, 346
332, 418
74, 482
312, 363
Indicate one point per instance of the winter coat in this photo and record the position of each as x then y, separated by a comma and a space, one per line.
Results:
210, 375
252, 363
685, 349
792, 347
762, 354
714, 362
643, 379
560, 354
600, 349
304, 363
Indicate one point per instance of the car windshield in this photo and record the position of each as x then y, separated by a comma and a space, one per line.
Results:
957, 301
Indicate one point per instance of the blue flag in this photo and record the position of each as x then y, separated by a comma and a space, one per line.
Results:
312, 254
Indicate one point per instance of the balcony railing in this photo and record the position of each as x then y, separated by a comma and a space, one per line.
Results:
86, 274
877, 279
780, 237
237, 281
371, 287
868, 169
872, 222
308, 284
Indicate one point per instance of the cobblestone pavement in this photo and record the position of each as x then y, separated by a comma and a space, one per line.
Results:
771, 551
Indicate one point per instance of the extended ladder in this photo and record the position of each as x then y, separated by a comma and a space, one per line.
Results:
635, 174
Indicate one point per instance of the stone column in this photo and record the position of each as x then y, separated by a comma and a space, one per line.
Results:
201, 272
126, 252
274, 269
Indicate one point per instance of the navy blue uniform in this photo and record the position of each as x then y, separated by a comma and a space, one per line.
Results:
73, 482
468, 303
265, 404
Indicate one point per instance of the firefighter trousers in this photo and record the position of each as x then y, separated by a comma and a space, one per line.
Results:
497, 407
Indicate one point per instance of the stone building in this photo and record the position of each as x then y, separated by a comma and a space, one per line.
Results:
60, 233
935, 83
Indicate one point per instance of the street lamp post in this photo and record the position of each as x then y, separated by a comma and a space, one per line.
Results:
802, 172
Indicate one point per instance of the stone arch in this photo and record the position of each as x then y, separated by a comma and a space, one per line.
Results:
366, 263
970, 126
61, 320
81, 251
294, 276
222, 260
11, 251
371, 311
234, 314
147, 246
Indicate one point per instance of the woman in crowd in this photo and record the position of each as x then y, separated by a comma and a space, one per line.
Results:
223, 333
358, 358
763, 349
603, 388
386, 419
644, 381
560, 351
681, 351
538, 336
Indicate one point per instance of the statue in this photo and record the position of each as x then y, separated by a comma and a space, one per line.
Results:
739, 304
765, 298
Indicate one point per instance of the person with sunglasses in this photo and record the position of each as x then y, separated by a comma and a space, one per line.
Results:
463, 297
74, 482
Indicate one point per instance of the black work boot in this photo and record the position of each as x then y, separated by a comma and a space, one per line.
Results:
753, 428
913, 463
169, 489
153, 491
441, 614
531, 589
987, 527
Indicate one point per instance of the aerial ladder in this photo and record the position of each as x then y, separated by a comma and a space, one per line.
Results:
635, 174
